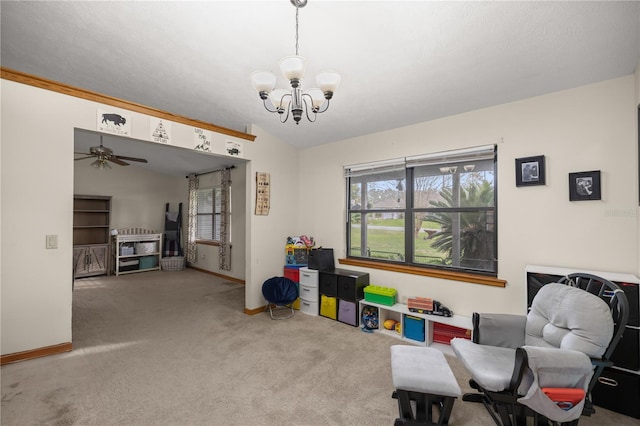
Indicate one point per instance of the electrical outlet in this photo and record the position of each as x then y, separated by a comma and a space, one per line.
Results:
202, 256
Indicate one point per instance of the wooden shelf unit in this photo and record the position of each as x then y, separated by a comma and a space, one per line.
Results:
91, 235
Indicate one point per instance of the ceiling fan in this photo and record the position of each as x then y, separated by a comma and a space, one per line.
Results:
104, 154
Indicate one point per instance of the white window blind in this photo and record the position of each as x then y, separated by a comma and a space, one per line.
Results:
485, 152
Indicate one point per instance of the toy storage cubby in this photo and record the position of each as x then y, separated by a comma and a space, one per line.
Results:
400, 312
340, 290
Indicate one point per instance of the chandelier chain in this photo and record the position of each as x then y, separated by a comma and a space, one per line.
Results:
297, 11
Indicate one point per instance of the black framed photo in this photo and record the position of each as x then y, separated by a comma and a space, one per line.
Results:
530, 171
584, 186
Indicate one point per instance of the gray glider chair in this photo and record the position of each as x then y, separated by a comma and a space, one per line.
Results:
545, 364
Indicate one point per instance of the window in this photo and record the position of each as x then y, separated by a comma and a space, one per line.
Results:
433, 211
208, 214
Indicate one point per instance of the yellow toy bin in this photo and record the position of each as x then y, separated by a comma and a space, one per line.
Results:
328, 307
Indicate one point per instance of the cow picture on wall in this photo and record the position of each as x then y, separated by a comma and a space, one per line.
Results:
114, 121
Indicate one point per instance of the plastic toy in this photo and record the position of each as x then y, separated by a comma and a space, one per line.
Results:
390, 324
369, 318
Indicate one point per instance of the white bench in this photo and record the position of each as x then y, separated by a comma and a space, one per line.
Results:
422, 375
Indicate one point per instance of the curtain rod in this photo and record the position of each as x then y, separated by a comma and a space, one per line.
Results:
212, 171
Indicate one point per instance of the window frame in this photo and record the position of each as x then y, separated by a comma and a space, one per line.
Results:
215, 215
408, 264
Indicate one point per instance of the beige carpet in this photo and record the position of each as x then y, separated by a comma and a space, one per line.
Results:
174, 348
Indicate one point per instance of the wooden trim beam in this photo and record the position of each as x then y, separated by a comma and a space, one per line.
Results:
36, 353
54, 86
435, 273
255, 311
226, 277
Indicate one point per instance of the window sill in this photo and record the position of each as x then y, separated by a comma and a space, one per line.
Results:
208, 243
435, 273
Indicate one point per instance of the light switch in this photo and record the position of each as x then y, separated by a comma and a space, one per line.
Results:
52, 241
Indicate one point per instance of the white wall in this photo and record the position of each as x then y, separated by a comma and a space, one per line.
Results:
587, 128
138, 195
267, 235
37, 186
37, 199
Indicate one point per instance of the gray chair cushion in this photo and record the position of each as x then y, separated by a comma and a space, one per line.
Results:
569, 318
504, 330
490, 366
422, 370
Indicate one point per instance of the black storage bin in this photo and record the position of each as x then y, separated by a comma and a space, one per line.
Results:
328, 283
321, 259
351, 284
618, 391
631, 291
627, 353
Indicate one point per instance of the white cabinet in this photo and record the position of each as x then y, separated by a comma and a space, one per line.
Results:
399, 312
136, 253
90, 260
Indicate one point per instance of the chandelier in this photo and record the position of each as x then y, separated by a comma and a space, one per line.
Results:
294, 101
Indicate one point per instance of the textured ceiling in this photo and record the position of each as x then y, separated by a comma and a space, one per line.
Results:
401, 62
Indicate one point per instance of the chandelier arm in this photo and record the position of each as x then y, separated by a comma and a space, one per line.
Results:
307, 108
267, 107
286, 117
324, 107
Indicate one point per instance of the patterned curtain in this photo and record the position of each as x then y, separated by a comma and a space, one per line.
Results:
193, 220
225, 245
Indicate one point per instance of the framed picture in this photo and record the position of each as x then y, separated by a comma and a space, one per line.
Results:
530, 171
584, 186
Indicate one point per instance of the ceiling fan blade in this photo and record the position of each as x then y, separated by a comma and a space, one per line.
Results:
122, 157
117, 160
82, 153
83, 158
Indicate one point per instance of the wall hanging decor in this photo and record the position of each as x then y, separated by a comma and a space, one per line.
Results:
262, 193
584, 186
160, 131
530, 171
114, 121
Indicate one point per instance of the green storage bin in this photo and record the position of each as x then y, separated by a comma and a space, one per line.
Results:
148, 262
381, 295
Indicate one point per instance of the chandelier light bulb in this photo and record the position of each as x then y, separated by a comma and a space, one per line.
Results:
263, 81
280, 98
328, 81
293, 67
317, 97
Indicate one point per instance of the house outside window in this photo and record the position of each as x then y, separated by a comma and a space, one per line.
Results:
432, 211
208, 214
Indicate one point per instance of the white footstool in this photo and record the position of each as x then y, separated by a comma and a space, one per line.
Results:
422, 375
